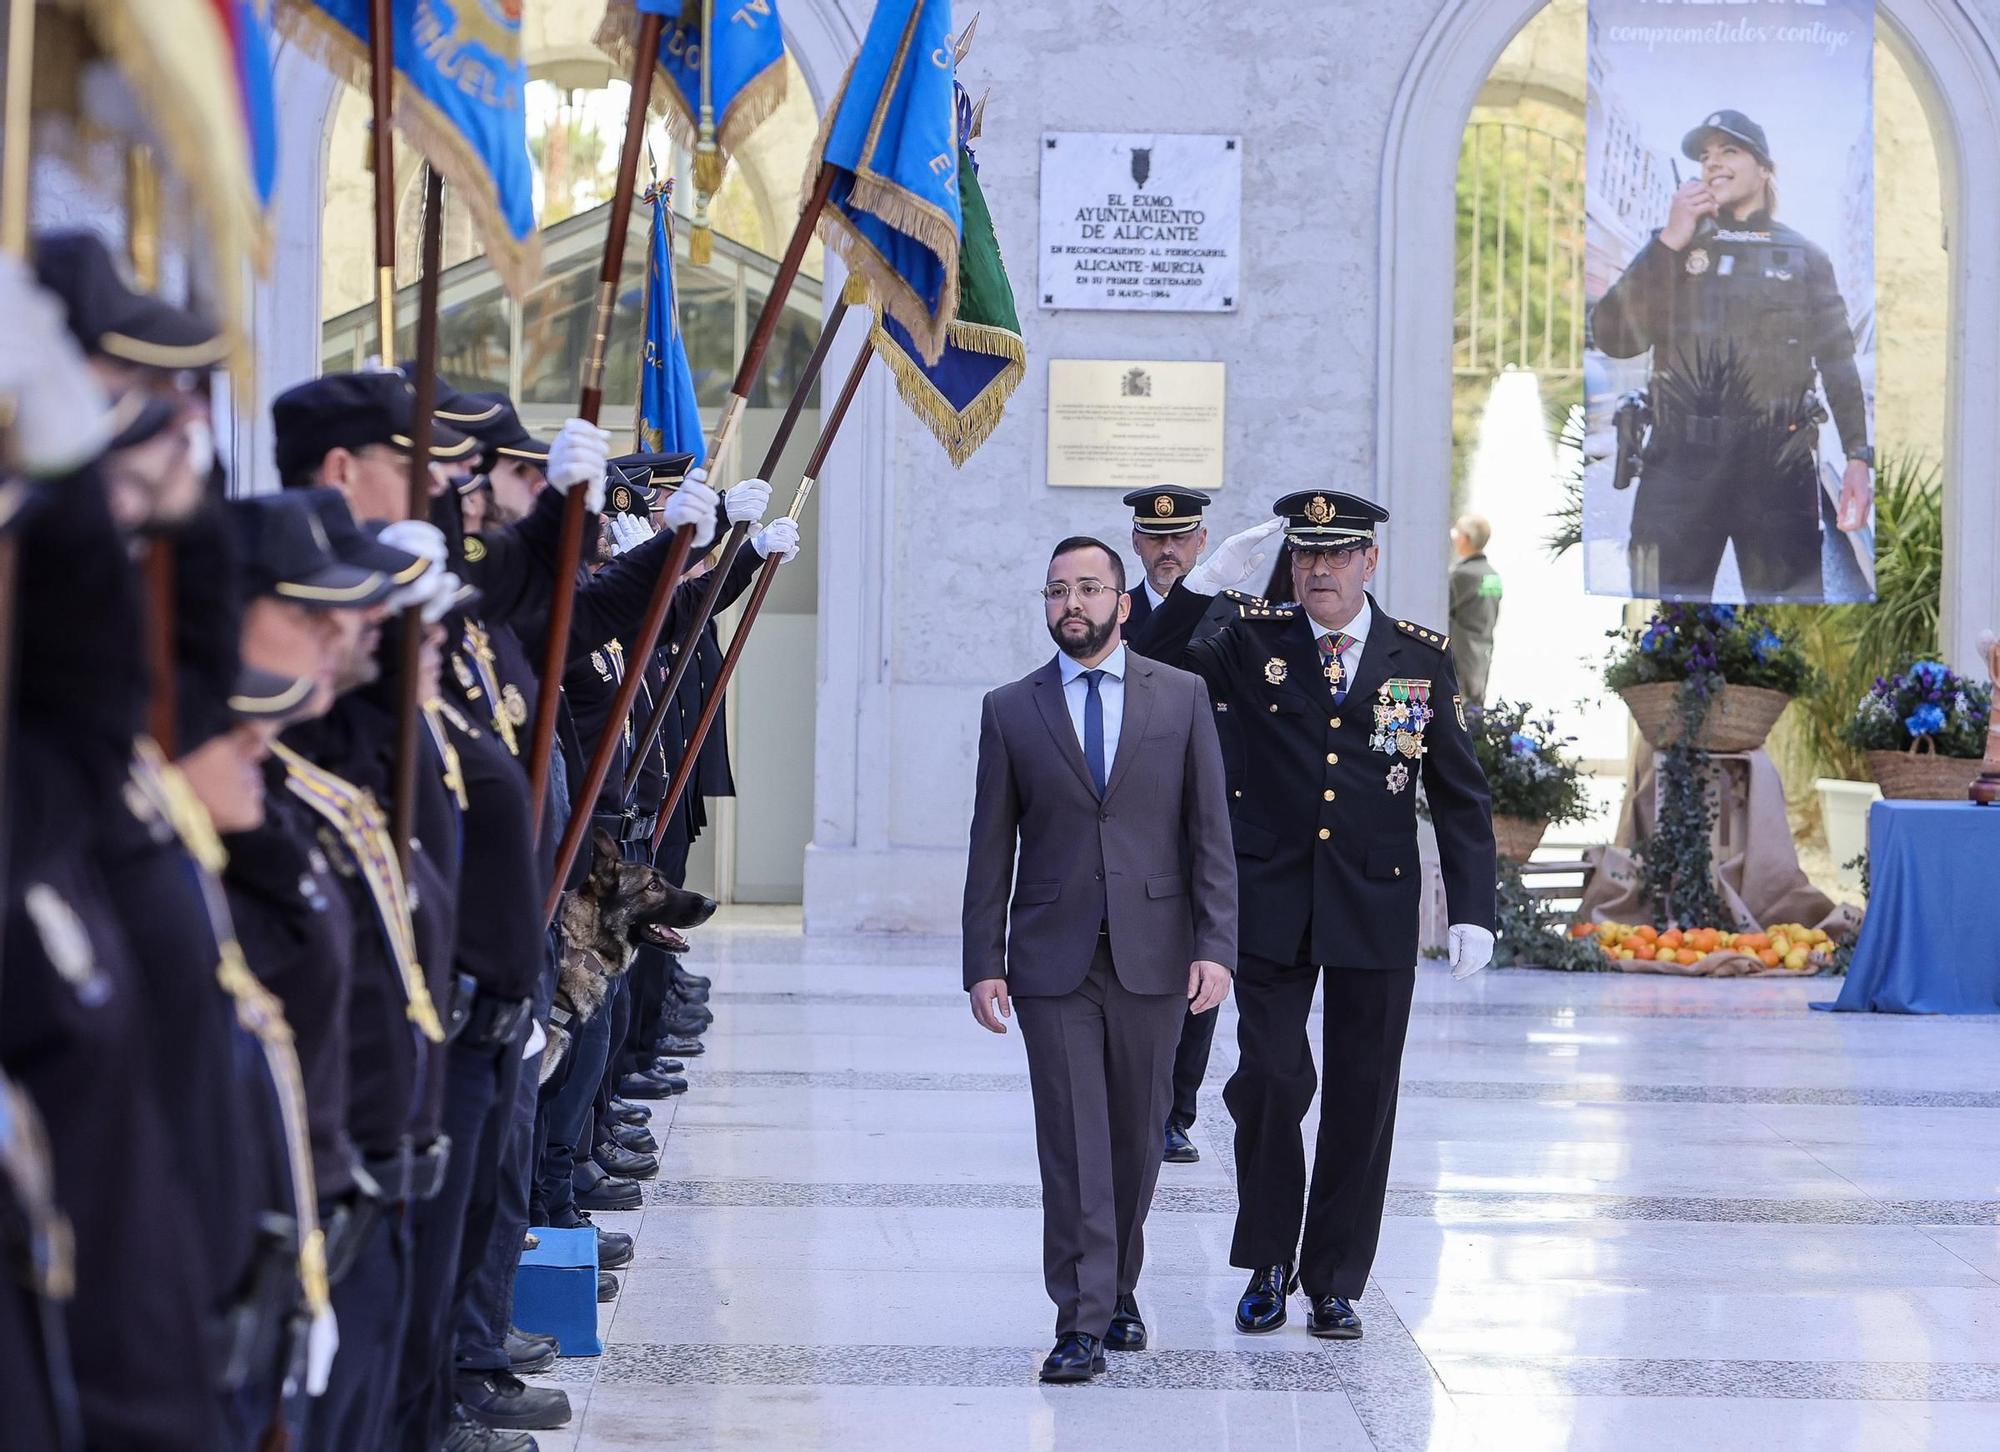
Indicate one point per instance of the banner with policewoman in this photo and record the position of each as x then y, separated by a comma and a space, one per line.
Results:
1730, 277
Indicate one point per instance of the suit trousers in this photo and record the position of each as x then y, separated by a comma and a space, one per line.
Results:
1367, 1015
1191, 1064
370, 1304
1100, 1064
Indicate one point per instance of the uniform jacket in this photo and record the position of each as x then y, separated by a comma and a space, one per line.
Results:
1754, 290
1051, 864
1325, 819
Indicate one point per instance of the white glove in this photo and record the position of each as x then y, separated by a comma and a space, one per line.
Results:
62, 418
444, 595
1471, 949
628, 532
416, 537
537, 1039
580, 454
1241, 557
746, 503
692, 504
780, 537
322, 1342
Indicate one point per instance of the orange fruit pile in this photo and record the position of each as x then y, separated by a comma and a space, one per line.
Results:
1787, 945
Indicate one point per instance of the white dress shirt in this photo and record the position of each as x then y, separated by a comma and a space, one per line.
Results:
1357, 630
1153, 597
1111, 695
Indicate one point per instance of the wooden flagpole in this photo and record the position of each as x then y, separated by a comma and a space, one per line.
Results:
641, 648
409, 704
719, 575
712, 706
569, 547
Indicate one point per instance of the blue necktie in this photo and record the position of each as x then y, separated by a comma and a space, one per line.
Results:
1093, 730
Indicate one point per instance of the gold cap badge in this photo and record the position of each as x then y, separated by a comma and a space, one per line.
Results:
1318, 510
1163, 506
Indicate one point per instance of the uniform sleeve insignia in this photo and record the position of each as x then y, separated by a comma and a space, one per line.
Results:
516, 704
1458, 706
475, 549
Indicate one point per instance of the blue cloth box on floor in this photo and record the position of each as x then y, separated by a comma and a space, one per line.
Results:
555, 1289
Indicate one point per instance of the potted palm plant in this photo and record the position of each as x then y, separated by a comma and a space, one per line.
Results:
1534, 781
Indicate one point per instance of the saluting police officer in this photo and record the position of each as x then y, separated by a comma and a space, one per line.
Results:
1169, 534
1740, 312
1342, 711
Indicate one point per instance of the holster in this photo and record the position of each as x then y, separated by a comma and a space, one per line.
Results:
250, 1332
409, 1174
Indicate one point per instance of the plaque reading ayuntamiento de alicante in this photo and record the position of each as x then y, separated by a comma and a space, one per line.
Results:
1126, 425
1141, 222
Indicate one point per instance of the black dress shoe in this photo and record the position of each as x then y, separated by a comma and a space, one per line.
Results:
651, 1086
1128, 1332
685, 979
528, 1353
1180, 1149
502, 1399
683, 1025
689, 992
615, 1159
634, 1137
1076, 1358
466, 1435
614, 1247
626, 1112
666, 1066
1333, 1319
611, 1193
607, 1287
684, 1046
1263, 1305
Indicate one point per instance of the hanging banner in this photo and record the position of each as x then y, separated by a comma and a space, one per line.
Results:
1730, 275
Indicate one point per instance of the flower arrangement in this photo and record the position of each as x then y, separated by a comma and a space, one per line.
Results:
1926, 702
1528, 772
1717, 644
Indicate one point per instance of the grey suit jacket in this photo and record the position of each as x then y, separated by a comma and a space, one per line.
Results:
1153, 859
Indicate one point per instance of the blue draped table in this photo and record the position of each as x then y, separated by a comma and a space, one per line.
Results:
1931, 942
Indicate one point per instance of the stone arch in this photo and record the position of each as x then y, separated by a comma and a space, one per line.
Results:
1951, 55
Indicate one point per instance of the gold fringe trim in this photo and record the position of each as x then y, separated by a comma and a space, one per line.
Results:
961, 432
517, 262
221, 186
617, 36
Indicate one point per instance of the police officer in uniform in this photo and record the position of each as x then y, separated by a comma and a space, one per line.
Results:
1740, 312
1169, 535
1342, 710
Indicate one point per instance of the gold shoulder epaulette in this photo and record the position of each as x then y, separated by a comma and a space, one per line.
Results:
1259, 609
1426, 635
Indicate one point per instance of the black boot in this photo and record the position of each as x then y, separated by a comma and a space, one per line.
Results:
502, 1399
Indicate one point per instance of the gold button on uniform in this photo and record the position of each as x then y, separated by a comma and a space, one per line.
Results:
1333, 758
1236, 794
1334, 723
1328, 794
1324, 834
1399, 872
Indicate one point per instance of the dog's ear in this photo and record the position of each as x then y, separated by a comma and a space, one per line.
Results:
603, 848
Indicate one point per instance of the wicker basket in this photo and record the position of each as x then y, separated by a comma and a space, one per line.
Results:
1921, 775
1517, 837
1739, 718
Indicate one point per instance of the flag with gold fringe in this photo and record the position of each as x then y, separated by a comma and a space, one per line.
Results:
961, 396
723, 62
890, 139
460, 100
669, 413
201, 70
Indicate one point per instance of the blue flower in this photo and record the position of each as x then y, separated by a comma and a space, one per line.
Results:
1521, 745
1767, 644
1719, 614
1928, 674
1926, 720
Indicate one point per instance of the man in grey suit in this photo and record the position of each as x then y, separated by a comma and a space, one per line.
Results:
1117, 922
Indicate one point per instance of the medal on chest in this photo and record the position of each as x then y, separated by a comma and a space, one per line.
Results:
1402, 711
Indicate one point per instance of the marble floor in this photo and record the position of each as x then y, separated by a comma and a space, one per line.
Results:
1625, 1213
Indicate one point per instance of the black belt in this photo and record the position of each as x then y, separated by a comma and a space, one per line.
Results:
492, 1020
408, 1174
630, 825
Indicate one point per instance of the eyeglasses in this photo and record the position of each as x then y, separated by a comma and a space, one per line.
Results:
1090, 590
1337, 557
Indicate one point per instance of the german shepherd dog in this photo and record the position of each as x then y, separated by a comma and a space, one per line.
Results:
620, 907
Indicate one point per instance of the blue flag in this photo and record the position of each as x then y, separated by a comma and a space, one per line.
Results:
891, 140
669, 415
746, 62
460, 86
